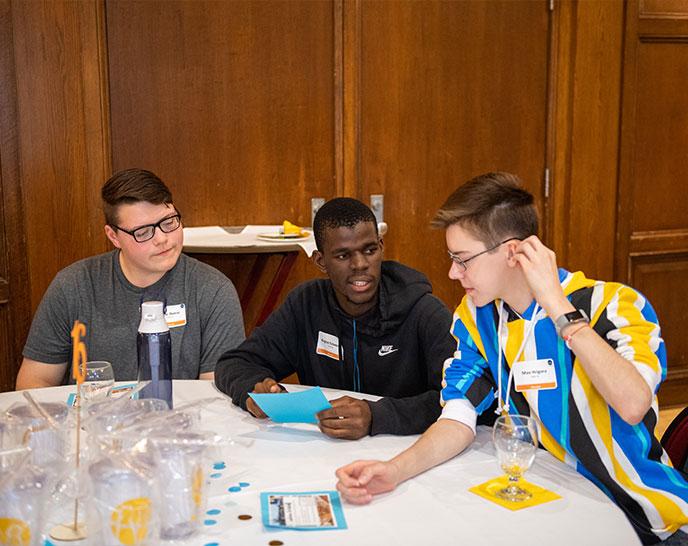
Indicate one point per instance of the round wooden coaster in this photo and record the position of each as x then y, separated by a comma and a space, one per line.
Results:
275, 543
66, 532
245, 517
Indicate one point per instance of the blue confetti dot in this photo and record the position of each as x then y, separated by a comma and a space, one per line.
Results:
216, 475
209, 522
234, 489
212, 544
219, 466
213, 512
244, 484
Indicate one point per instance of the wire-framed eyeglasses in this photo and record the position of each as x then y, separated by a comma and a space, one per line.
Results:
463, 263
147, 232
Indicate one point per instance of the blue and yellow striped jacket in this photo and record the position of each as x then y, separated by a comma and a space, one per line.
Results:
576, 424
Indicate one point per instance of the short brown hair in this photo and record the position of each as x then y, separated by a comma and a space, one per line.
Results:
491, 207
132, 186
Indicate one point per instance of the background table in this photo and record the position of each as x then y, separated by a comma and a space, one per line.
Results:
207, 242
433, 508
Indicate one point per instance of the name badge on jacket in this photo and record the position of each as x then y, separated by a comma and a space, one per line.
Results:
535, 375
328, 345
175, 315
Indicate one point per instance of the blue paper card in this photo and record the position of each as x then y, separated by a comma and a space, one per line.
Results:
309, 511
292, 407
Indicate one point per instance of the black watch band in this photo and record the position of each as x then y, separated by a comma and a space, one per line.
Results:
570, 318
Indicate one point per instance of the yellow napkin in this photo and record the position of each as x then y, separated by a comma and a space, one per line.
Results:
288, 228
487, 490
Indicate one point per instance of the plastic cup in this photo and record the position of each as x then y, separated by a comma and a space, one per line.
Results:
123, 510
23, 494
181, 482
47, 445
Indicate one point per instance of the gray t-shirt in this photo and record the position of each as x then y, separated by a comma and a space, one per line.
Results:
96, 292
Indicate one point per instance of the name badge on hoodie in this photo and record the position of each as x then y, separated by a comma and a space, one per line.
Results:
175, 315
328, 345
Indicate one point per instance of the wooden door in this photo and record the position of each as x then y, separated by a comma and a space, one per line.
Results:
652, 250
444, 91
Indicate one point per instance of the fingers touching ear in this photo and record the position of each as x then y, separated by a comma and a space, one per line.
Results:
511, 254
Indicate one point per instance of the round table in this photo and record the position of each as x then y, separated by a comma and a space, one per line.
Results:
433, 508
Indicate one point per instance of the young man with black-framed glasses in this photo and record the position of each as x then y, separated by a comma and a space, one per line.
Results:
105, 293
585, 358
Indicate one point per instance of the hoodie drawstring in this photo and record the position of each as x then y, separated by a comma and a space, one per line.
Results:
357, 372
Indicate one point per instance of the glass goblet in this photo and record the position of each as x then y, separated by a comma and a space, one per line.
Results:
515, 439
98, 381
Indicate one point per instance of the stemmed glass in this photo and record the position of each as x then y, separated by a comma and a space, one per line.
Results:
98, 382
515, 439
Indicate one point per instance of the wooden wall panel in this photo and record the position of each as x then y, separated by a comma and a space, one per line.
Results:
670, 9
661, 136
15, 312
585, 148
660, 279
652, 233
62, 137
232, 103
448, 90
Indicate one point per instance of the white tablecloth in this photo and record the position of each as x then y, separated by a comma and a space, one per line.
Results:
216, 239
434, 508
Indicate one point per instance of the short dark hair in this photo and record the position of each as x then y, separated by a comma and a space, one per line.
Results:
340, 212
491, 207
132, 186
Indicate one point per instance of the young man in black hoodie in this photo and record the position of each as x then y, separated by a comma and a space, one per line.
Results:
371, 327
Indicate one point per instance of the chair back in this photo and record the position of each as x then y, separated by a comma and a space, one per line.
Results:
675, 441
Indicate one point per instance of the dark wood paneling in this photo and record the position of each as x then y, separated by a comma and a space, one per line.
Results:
62, 135
15, 311
232, 103
661, 137
660, 278
587, 89
448, 90
670, 9
652, 250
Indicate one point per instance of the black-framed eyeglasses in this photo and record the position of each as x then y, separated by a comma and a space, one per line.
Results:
458, 261
146, 233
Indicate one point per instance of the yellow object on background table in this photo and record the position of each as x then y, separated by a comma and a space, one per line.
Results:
289, 228
488, 490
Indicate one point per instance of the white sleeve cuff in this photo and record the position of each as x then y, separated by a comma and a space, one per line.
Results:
461, 410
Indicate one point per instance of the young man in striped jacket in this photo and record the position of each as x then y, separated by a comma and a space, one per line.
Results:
601, 342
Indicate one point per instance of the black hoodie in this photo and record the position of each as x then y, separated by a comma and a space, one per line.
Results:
401, 345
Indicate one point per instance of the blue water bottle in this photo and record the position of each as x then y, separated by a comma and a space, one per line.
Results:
154, 347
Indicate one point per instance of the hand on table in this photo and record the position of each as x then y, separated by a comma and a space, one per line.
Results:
360, 480
348, 418
539, 266
267, 385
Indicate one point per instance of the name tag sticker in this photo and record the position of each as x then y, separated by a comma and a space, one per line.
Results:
175, 315
328, 345
535, 375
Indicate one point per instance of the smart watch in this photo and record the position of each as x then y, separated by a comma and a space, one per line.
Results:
570, 318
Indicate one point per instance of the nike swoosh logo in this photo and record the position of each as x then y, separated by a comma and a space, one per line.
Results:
386, 352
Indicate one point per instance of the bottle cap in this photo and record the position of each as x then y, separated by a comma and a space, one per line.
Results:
152, 318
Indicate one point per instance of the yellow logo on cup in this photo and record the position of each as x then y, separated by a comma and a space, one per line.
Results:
14, 532
129, 521
197, 490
